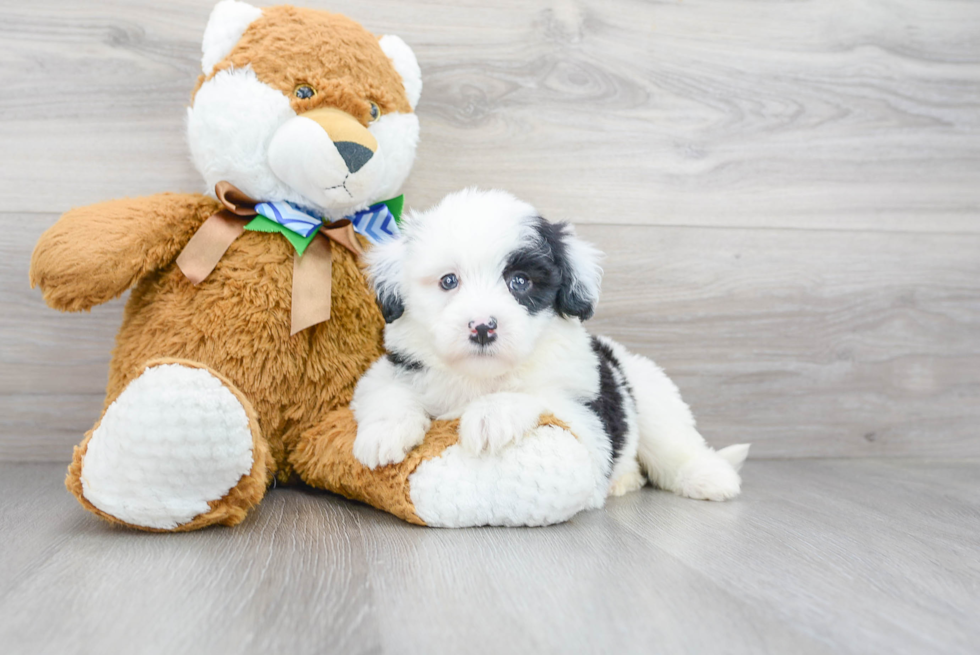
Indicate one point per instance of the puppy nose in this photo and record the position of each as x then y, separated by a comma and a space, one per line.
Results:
483, 331
355, 155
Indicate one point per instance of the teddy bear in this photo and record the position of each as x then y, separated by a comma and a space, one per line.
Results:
250, 320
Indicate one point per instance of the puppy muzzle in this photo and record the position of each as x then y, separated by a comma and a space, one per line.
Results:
483, 331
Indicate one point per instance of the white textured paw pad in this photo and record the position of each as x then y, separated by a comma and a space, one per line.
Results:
546, 478
175, 439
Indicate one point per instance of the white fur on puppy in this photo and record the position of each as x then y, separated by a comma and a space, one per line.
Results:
484, 301
492, 421
392, 421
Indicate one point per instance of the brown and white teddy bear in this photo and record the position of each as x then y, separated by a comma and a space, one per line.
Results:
250, 320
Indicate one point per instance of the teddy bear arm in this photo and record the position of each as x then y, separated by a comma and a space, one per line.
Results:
93, 254
545, 478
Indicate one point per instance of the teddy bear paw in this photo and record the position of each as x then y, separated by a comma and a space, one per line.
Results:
175, 440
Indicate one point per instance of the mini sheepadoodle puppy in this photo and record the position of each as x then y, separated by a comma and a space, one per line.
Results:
484, 301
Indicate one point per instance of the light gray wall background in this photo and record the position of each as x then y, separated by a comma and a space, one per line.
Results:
788, 192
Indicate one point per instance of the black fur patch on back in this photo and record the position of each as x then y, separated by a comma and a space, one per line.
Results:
608, 405
403, 361
547, 265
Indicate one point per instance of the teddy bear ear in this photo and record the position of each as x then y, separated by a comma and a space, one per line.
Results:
229, 20
406, 64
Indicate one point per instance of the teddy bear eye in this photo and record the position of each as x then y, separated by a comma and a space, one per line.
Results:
519, 283
375, 111
449, 282
304, 91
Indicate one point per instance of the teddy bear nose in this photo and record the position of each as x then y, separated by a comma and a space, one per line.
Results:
354, 142
355, 155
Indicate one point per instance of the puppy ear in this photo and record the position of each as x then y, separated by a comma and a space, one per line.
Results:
385, 273
581, 274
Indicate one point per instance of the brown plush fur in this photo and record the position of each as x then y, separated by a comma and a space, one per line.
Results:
324, 458
350, 68
235, 323
94, 254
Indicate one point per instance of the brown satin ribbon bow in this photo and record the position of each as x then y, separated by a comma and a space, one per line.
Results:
311, 271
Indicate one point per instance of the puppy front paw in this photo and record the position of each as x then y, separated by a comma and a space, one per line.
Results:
497, 420
387, 441
708, 477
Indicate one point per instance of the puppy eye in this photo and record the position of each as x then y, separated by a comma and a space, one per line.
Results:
304, 91
375, 111
519, 283
449, 282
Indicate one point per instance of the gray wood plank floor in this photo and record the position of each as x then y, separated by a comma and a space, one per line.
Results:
817, 556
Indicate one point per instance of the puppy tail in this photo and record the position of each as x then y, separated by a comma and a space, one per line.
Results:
670, 449
735, 454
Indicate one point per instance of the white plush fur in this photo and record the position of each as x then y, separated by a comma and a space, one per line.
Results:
242, 130
545, 478
229, 128
175, 439
406, 64
540, 362
398, 138
228, 21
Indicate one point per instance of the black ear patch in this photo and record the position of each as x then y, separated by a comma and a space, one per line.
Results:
569, 298
391, 306
546, 263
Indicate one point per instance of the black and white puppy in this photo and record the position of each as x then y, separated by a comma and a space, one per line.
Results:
484, 301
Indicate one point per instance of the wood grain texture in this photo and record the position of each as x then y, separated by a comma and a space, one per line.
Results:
709, 112
804, 343
854, 556
789, 193
45, 427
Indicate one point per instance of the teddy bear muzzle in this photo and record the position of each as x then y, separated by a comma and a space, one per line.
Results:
328, 156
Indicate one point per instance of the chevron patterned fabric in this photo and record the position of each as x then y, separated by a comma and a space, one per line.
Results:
377, 223
290, 217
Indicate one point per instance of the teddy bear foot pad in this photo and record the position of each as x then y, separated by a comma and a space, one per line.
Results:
169, 451
546, 478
